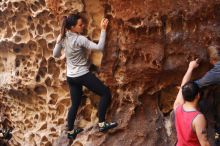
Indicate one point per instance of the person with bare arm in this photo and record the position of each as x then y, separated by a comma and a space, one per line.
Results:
190, 123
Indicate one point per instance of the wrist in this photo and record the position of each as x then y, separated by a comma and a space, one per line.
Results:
190, 69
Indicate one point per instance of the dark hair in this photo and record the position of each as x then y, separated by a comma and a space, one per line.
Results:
190, 90
68, 22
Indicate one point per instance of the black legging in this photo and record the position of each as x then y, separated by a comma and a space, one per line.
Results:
92, 83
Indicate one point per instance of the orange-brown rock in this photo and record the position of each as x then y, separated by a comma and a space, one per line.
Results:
149, 44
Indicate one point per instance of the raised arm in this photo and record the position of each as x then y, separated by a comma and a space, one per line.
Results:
58, 47
199, 125
91, 45
187, 77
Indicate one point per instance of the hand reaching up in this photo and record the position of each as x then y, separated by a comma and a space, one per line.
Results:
104, 23
194, 64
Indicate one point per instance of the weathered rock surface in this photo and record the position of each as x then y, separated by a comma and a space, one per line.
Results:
149, 44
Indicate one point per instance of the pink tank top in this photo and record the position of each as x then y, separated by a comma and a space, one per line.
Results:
185, 134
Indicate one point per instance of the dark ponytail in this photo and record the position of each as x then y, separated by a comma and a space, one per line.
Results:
63, 28
68, 22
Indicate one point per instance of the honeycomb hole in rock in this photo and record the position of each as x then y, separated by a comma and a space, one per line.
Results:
43, 127
53, 99
31, 74
42, 71
53, 117
54, 23
32, 27
29, 19
48, 143
52, 68
60, 121
77, 143
20, 23
53, 129
43, 116
9, 13
23, 32
29, 125
32, 45
26, 121
50, 37
43, 62
16, 4
38, 78
40, 90
17, 62
36, 117
34, 7
44, 139
17, 39
42, 2
23, 59
94, 100
51, 65
2, 24
56, 32
9, 5
17, 49
28, 64
54, 134
17, 73
39, 29
38, 4
59, 62
65, 85
22, 6
41, 101
48, 81
86, 112
50, 45
42, 15
63, 66
51, 16
42, 23
60, 109
47, 29
65, 101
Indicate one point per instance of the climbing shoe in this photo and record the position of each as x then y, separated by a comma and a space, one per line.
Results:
104, 126
217, 139
7, 134
72, 134
217, 136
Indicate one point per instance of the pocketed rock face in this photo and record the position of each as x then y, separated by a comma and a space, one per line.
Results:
149, 44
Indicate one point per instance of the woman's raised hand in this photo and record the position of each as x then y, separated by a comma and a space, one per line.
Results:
104, 23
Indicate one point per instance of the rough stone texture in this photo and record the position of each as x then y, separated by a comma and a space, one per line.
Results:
149, 45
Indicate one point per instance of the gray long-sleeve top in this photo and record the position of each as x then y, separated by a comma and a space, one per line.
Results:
211, 77
74, 46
